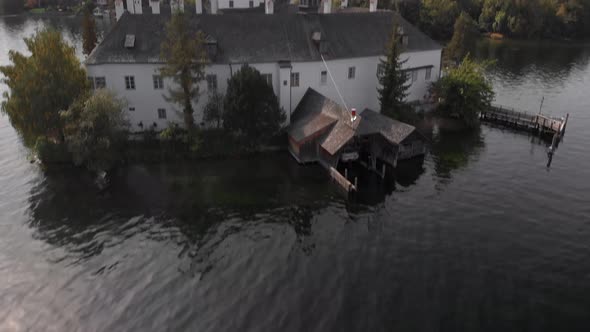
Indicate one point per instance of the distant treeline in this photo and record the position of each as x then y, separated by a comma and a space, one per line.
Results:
11, 6
514, 18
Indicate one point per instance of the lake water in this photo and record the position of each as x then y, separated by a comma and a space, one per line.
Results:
481, 237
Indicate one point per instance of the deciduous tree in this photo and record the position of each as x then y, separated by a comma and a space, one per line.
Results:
464, 91
95, 130
185, 56
42, 84
251, 109
437, 17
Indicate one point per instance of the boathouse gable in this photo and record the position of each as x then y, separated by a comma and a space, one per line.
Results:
322, 131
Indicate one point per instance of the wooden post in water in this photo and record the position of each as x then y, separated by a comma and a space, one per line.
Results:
565, 124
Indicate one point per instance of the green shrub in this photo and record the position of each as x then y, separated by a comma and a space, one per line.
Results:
50, 152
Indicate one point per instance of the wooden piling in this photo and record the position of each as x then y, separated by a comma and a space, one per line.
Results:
567, 116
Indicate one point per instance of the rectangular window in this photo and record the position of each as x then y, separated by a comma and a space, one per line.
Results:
351, 73
131, 109
323, 77
161, 113
428, 73
294, 79
268, 78
251, 4
380, 70
414, 75
158, 82
100, 82
211, 82
231, 4
130, 82
91, 82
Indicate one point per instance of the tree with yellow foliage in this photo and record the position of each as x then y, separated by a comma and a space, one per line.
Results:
42, 84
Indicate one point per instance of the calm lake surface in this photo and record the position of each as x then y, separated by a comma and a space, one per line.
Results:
481, 237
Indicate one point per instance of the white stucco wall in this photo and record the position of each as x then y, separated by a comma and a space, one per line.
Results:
223, 4
360, 92
419, 88
146, 100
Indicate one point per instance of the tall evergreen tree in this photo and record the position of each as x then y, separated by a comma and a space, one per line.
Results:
89, 40
392, 78
464, 38
185, 57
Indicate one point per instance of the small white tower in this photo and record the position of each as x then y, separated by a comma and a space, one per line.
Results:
269, 6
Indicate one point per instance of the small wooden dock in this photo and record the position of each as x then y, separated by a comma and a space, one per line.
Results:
538, 123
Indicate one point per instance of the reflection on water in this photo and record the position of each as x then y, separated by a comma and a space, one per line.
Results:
454, 149
552, 62
67, 209
477, 236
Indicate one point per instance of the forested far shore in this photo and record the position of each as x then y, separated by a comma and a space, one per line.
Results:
512, 18
8, 7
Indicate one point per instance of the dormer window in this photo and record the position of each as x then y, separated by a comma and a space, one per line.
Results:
308, 3
129, 41
211, 45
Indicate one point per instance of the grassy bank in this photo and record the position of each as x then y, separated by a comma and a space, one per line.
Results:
148, 147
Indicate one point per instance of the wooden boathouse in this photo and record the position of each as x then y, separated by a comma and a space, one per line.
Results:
322, 131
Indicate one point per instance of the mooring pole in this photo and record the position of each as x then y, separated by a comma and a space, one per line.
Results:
564, 124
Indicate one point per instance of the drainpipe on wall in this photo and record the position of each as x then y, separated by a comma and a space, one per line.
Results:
290, 92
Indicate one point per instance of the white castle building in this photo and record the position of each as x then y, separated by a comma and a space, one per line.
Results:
286, 45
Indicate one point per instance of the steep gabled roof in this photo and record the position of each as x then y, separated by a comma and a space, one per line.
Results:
257, 37
313, 114
339, 136
392, 130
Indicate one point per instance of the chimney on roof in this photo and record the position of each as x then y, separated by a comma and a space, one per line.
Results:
269, 6
372, 5
155, 4
177, 6
327, 6
130, 7
137, 7
343, 3
119, 8
402, 35
214, 6
199, 6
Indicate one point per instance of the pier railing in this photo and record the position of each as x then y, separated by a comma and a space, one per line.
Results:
523, 120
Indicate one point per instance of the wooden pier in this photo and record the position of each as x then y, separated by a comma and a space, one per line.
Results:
539, 123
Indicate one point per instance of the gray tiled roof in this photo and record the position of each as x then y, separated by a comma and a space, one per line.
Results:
257, 37
314, 113
341, 134
375, 123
